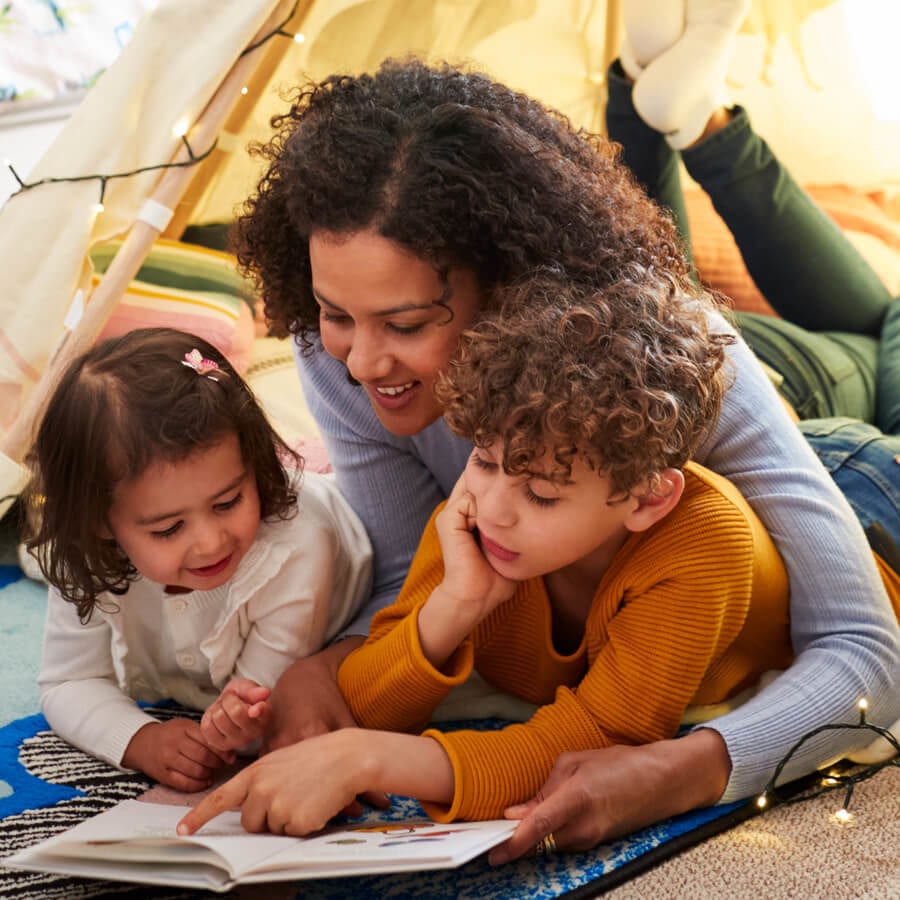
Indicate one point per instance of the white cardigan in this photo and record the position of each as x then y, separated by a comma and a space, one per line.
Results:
300, 583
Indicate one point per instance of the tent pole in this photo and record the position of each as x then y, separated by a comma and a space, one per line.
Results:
207, 170
135, 247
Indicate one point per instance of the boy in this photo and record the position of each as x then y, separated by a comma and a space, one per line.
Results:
580, 562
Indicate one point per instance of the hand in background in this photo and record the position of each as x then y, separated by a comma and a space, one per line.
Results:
596, 795
238, 716
175, 754
306, 700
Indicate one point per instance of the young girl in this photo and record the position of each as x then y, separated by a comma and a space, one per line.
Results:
181, 560
580, 563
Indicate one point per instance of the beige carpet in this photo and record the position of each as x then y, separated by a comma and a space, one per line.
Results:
798, 851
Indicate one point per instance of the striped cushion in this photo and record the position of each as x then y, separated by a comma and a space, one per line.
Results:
186, 287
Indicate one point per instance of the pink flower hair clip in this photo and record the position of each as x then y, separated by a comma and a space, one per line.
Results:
202, 366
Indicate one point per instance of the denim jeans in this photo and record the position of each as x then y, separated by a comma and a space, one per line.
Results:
865, 465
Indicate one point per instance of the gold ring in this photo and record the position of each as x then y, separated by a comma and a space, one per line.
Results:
546, 846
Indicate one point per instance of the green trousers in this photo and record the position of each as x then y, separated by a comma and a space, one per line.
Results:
837, 347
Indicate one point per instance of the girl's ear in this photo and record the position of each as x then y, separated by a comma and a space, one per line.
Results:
654, 506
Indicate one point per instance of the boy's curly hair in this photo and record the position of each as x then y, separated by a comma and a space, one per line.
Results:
628, 378
460, 170
121, 406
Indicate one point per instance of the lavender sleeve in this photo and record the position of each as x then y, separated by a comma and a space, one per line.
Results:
843, 628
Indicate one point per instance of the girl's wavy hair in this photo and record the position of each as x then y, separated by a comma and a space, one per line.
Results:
449, 164
628, 378
121, 406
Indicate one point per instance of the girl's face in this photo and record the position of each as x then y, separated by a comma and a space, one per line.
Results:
189, 523
386, 314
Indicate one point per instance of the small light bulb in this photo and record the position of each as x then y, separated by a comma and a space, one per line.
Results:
761, 801
863, 704
843, 816
7, 161
299, 38
181, 128
829, 781
98, 208
244, 91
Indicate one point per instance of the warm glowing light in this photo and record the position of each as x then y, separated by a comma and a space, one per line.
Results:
181, 128
872, 29
843, 816
299, 38
863, 704
761, 801
244, 91
830, 781
98, 208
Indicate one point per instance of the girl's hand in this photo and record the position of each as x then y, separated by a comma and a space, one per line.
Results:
175, 754
238, 717
296, 790
469, 579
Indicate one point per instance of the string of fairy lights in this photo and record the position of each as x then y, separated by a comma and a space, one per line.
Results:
833, 779
180, 131
830, 781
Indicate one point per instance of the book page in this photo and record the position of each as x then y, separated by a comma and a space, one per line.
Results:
145, 832
142, 835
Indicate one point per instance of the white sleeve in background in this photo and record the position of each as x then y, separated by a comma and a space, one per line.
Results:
843, 628
80, 695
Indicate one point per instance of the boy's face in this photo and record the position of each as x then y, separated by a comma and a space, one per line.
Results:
189, 523
531, 526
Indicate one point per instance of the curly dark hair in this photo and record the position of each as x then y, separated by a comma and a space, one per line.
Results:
117, 408
458, 169
629, 378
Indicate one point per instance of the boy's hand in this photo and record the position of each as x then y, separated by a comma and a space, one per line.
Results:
468, 576
238, 716
175, 754
295, 790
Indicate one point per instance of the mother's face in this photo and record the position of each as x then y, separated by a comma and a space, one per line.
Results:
386, 314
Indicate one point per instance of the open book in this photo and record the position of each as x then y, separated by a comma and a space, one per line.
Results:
136, 841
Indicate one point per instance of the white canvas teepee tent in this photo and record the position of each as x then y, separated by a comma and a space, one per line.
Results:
203, 77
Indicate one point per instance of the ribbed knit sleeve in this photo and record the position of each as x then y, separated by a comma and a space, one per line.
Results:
389, 683
688, 612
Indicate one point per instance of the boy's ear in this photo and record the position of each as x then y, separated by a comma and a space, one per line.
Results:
654, 506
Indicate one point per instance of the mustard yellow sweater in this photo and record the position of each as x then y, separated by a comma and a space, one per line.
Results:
689, 612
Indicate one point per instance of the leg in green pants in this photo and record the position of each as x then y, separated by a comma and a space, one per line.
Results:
800, 260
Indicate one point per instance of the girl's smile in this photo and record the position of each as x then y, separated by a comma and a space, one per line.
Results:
189, 523
214, 569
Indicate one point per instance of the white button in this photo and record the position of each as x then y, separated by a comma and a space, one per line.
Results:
187, 660
180, 605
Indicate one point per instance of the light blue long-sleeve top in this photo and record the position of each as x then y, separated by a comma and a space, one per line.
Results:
844, 632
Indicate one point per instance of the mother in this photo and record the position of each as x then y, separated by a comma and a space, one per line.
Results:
392, 205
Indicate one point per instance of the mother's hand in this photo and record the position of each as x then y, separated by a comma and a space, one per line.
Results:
596, 795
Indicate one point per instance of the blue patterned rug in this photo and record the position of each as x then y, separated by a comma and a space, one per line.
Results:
47, 785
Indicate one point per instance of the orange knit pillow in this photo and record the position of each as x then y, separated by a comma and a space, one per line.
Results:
867, 220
